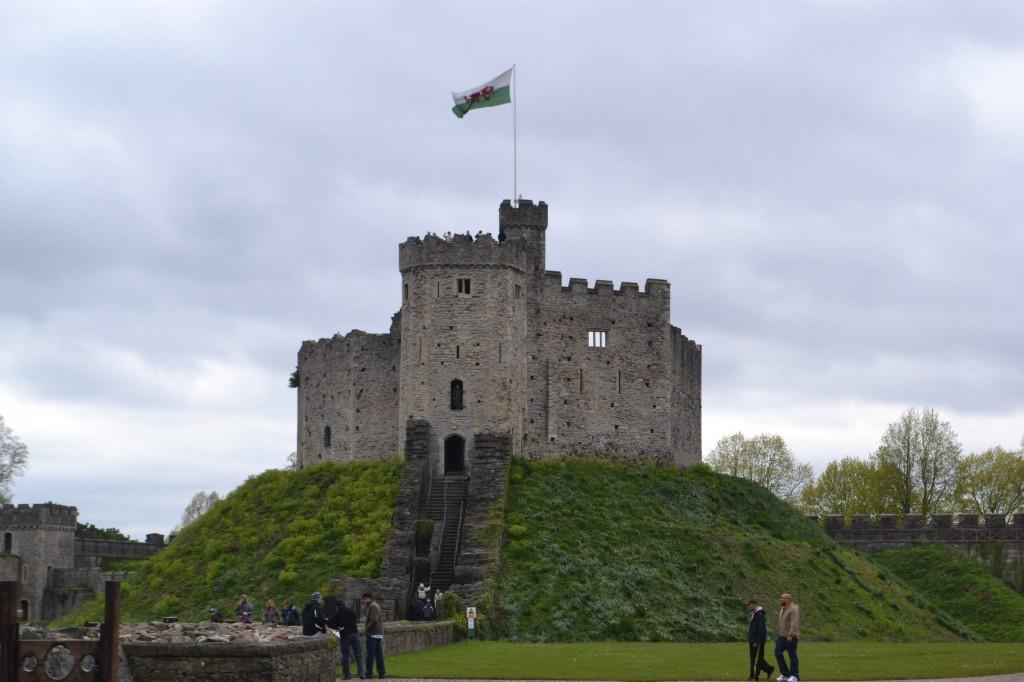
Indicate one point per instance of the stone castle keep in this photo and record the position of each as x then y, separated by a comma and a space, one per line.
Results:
489, 342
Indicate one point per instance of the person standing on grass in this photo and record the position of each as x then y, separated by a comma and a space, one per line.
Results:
346, 623
789, 635
374, 635
757, 634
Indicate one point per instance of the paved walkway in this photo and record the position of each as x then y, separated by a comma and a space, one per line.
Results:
1016, 677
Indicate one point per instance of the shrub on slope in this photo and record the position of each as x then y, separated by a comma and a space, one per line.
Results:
962, 587
280, 535
602, 552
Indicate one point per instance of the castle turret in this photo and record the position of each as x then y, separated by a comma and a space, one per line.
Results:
529, 222
43, 537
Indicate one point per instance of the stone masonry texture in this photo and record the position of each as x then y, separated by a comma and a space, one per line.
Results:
57, 571
485, 312
992, 538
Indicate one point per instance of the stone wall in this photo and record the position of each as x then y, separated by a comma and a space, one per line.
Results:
43, 536
116, 549
615, 402
349, 385
479, 549
299, 660
993, 538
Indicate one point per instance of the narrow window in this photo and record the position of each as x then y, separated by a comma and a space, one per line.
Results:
327, 436
597, 338
8, 542
499, 352
438, 294
618, 382
519, 291
456, 352
420, 344
405, 291
456, 397
581, 380
464, 286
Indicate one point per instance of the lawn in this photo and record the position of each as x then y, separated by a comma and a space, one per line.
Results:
687, 661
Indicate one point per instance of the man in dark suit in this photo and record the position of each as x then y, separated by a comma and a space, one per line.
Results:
757, 634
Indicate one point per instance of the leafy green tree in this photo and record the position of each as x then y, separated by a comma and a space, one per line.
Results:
13, 460
991, 482
923, 452
852, 486
88, 530
764, 459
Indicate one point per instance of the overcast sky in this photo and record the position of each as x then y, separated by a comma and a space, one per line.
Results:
190, 189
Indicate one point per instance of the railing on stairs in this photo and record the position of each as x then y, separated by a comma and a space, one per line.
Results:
458, 534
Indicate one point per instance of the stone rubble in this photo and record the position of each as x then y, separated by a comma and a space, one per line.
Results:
176, 633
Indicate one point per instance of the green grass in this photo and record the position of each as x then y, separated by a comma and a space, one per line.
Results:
598, 552
280, 535
675, 661
960, 586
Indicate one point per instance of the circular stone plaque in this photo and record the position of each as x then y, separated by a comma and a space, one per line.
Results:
88, 663
30, 664
59, 663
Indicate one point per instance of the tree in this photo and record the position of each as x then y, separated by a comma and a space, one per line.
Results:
852, 486
764, 459
991, 482
13, 460
88, 530
292, 461
923, 452
200, 504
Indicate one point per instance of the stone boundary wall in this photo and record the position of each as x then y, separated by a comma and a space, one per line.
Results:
299, 660
117, 549
403, 638
996, 539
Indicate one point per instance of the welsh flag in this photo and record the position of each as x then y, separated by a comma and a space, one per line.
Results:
490, 94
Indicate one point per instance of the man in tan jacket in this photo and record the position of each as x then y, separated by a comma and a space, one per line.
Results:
789, 635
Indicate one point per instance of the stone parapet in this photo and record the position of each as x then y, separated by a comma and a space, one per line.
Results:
462, 250
52, 516
115, 549
300, 660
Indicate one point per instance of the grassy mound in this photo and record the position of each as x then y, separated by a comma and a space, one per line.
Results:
960, 586
280, 535
602, 552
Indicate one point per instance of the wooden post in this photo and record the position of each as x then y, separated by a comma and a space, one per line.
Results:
8, 631
109, 634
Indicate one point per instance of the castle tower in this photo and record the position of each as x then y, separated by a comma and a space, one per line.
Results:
528, 222
463, 358
43, 536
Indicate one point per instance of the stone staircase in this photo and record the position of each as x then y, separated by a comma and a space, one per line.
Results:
445, 505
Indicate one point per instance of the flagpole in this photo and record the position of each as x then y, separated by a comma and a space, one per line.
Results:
515, 140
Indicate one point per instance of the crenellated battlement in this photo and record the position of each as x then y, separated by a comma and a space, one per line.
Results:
355, 340
837, 523
580, 285
526, 215
31, 515
461, 250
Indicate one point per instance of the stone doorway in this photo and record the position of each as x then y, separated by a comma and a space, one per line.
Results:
454, 455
